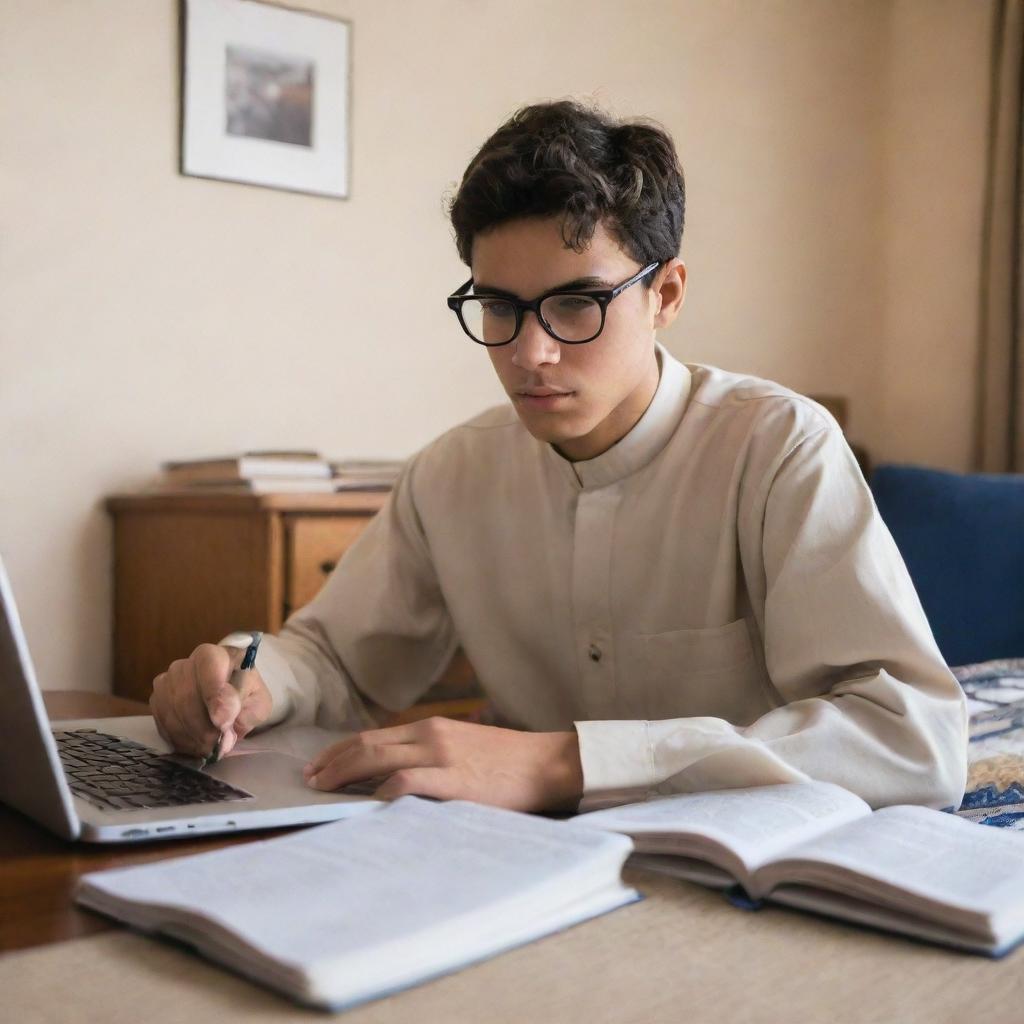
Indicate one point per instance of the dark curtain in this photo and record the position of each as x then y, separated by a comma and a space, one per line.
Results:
999, 425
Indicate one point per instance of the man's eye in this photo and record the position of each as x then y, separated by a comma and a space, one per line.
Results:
574, 303
495, 307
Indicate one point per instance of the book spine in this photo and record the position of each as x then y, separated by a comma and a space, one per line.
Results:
739, 897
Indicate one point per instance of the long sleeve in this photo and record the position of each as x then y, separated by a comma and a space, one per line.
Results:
378, 629
865, 698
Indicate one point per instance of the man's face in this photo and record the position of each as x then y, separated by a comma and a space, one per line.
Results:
581, 398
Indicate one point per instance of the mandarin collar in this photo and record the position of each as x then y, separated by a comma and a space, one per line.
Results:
647, 438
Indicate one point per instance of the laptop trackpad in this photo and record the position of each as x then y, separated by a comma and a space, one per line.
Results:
277, 776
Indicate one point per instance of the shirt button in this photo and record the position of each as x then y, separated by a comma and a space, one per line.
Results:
595, 652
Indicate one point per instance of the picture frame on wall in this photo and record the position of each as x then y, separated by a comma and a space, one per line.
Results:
266, 96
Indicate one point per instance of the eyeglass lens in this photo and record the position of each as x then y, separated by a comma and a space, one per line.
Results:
492, 321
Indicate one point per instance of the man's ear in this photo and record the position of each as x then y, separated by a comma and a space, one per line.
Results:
669, 292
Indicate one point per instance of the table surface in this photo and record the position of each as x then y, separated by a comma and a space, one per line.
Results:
681, 953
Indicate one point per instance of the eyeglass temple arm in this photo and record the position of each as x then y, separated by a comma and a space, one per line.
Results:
636, 277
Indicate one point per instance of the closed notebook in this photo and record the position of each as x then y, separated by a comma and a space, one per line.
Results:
342, 913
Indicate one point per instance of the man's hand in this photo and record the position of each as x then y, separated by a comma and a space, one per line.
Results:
452, 760
193, 701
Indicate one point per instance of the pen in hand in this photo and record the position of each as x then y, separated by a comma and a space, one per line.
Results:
237, 681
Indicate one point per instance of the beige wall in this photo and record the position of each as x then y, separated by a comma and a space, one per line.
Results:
832, 156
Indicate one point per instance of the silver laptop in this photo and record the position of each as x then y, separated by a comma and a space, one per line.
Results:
114, 780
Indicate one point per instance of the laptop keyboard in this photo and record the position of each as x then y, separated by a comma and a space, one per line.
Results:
118, 774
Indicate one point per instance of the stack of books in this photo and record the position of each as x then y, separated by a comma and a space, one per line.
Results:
365, 474
258, 472
271, 472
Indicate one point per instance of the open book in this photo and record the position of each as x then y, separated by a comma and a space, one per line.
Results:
343, 913
821, 848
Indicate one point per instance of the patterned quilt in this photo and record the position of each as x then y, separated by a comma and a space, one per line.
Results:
995, 757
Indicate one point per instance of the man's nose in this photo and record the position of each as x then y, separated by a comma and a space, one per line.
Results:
533, 345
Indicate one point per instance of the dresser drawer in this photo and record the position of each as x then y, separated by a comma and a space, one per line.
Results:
313, 546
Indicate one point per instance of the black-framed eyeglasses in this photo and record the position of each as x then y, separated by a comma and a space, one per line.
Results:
571, 316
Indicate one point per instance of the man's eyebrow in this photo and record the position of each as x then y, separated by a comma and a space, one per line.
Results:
578, 282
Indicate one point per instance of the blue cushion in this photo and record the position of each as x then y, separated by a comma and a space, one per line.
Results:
962, 537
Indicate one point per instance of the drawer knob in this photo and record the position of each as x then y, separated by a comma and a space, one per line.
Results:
327, 567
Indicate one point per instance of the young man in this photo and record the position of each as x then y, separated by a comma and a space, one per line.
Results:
667, 577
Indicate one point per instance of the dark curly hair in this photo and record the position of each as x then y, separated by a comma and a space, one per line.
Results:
566, 159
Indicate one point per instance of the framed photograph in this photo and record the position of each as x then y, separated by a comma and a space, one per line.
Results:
265, 96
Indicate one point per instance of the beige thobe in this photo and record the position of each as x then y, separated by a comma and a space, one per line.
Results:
713, 602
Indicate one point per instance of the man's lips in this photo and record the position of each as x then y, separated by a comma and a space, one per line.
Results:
543, 398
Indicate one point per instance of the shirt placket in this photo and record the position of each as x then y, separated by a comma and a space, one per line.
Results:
591, 595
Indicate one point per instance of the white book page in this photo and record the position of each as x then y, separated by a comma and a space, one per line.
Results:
343, 889
918, 860
753, 825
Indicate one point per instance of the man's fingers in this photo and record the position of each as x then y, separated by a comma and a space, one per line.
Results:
243, 709
344, 748
212, 667
194, 701
224, 706
411, 732
190, 712
336, 750
256, 708
175, 732
439, 783
356, 763
228, 739
158, 722
326, 756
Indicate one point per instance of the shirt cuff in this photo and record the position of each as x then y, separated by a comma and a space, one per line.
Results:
275, 672
618, 763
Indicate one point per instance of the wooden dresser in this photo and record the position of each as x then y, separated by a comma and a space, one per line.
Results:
190, 568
